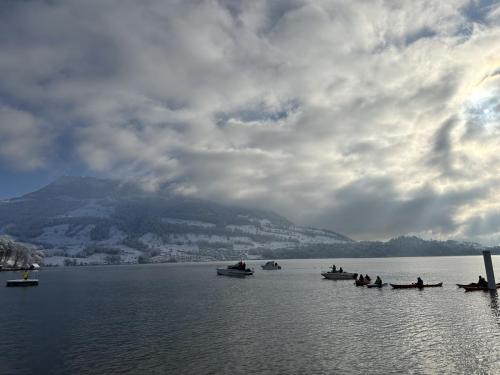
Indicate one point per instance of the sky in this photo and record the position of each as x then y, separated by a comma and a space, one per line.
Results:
370, 118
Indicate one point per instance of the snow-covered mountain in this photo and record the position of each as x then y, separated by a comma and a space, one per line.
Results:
89, 220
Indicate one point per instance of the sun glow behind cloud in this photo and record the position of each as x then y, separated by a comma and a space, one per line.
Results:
483, 102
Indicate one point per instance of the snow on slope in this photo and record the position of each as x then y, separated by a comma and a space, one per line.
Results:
92, 209
238, 242
193, 223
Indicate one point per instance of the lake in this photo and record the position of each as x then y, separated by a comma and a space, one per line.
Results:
184, 319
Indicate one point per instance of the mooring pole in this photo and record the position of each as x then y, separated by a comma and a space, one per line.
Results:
490, 275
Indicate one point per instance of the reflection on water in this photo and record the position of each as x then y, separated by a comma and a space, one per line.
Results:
183, 318
495, 308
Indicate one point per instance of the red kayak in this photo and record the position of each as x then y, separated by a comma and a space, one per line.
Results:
362, 283
414, 285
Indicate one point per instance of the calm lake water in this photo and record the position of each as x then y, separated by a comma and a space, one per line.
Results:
184, 319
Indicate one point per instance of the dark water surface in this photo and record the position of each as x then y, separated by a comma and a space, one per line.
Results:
184, 319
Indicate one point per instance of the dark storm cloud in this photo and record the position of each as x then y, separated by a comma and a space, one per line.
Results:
442, 148
376, 206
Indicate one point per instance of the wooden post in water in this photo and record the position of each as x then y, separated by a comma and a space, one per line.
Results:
490, 275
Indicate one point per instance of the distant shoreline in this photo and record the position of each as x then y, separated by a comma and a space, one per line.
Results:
252, 260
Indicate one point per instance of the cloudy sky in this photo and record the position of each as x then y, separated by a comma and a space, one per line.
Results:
371, 118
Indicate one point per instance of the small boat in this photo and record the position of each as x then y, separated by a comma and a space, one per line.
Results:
414, 285
337, 275
473, 285
22, 282
466, 285
234, 273
271, 265
362, 283
376, 285
237, 270
478, 288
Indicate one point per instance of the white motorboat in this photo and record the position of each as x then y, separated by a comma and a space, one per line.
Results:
271, 265
234, 273
339, 274
237, 270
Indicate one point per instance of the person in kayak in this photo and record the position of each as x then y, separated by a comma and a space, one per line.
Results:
367, 278
420, 282
482, 283
378, 281
361, 278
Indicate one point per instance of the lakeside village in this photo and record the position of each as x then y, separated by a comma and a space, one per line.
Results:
23, 254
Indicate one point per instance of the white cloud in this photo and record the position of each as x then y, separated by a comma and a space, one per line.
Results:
305, 107
23, 139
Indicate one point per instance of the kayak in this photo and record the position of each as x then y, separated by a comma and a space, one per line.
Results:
376, 285
361, 283
474, 285
477, 288
466, 285
414, 285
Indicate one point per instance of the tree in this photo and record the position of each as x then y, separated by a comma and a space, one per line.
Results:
69, 262
112, 259
143, 259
